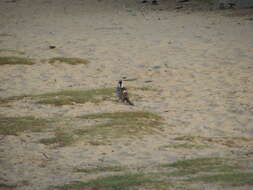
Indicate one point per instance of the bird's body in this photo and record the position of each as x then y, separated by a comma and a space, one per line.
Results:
125, 97
122, 93
154, 2
119, 90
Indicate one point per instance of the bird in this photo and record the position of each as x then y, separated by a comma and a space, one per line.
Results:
125, 97
119, 90
154, 2
122, 94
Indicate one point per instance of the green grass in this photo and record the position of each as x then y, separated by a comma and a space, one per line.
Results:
13, 60
187, 138
113, 182
122, 115
228, 141
67, 97
16, 125
188, 146
233, 178
13, 98
68, 60
11, 51
195, 166
144, 88
61, 138
119, 124
7, 187
100, 169
111, 126
5, 35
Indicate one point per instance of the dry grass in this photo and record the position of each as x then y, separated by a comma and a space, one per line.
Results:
114, 182
16, 125
188, 146
200, 165
67, 97
100, 169
68, 60
232, 178
12, 51
226, 141
62, 138
119, 124
5, 35
4, 186
111, 126
13, 60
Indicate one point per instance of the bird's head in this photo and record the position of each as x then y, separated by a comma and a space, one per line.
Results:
120, 83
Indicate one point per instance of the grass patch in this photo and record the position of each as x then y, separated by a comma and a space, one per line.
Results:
16, 125
234, 178
5, 35
12, 60
113, 182
101, 169
194, 166
187, 138
61, 138
144, 88
188, 146
122, 115
67, 97
12, 98
120, 124
227, 141
12, 51
111, 126
68, 60
7, 187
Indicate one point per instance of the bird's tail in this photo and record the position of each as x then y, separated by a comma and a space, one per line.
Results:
129, 102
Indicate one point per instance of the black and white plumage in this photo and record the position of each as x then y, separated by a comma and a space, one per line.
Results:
122, 93
119, 90
125, 97
154, 2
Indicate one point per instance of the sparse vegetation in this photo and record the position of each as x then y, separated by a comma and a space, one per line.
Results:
11, 51
12, 60
7, 187
121, 124
13, 98
16, 125
122, 115
111, 126
5, 35
75, 96
198, 165
188, 146
227, 141
233, 178
113, 182
61, 138
67, 97
187, 138
144, 88
68, 60
101, 169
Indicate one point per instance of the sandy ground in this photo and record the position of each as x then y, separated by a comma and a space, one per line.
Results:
204, 86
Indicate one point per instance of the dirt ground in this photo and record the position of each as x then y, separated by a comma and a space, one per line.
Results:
199, 61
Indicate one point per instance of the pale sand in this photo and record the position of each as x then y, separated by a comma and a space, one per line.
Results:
204, 86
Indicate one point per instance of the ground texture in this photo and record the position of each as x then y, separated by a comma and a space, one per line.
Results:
190, 75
